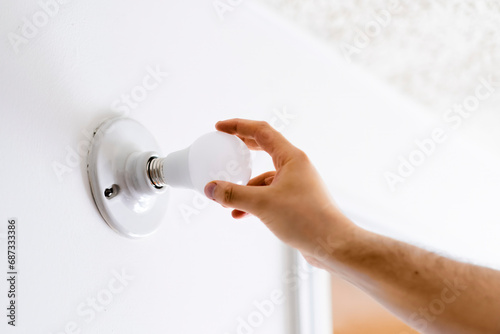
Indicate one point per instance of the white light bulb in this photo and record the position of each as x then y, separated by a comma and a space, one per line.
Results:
213, 156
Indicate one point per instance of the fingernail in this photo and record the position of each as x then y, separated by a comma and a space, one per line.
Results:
210, 190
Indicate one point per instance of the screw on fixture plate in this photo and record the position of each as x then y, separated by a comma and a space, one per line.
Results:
112, 191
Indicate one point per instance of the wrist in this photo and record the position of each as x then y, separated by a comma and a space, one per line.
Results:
340, 244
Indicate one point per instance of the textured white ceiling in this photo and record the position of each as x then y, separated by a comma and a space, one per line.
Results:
433, 51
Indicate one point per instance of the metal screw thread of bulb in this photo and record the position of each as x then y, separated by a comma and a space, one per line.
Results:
155, 172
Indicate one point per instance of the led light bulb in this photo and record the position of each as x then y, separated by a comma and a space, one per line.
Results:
213, 156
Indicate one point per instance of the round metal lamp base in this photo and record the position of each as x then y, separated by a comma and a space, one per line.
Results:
117, 168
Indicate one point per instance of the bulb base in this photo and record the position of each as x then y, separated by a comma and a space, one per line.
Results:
155, 172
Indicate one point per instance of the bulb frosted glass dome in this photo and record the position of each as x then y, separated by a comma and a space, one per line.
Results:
213, 156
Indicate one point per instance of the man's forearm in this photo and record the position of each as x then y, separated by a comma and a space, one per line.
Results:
431, 293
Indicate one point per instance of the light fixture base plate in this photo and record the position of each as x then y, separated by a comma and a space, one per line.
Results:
117, 167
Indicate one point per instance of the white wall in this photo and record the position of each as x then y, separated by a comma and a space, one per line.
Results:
194, 276
199, 276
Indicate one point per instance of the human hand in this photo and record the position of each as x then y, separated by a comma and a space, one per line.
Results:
292, 201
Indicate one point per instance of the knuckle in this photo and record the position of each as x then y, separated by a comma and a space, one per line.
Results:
228, 195
301, 155
264, 132
264, 124
237, 124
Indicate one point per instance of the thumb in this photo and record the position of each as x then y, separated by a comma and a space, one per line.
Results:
245, 198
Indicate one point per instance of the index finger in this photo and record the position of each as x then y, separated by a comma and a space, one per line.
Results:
264, 135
